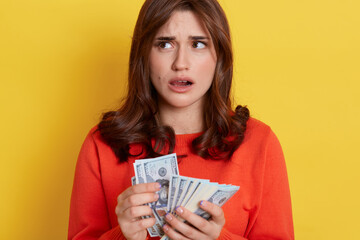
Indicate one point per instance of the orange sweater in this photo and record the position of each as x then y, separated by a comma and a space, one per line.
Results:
261, 209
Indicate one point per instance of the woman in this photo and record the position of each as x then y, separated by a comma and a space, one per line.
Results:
180, 74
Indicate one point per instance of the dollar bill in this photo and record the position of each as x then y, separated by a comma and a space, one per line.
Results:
133, 180
139, 173
165, 238
172, 189
196, 183
206, 190
157, 170
160, 170
179, 189
140, 178
219, 197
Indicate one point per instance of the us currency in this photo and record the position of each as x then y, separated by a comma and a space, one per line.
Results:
133, 180
195, 186
182, 193
212, 192
139, 172
172, 189
160, 170
179, 189
185, 190
206, 190
189, 190
165, 238
153, 231
220, 197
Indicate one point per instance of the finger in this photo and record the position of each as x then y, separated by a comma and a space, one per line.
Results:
140, 225
185, 229
137, 200
200, 223
216, 212
172, 234
139, 188
138, 211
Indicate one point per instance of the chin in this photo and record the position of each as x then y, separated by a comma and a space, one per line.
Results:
183, 104
182, 101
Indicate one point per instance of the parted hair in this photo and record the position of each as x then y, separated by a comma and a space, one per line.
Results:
136, 121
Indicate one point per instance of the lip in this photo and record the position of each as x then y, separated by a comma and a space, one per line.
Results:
181, 84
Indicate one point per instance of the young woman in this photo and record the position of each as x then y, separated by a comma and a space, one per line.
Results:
180, 75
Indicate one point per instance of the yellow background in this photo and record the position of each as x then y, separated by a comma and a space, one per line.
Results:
63, 63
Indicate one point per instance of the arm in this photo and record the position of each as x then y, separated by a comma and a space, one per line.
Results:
88, 210
274, 218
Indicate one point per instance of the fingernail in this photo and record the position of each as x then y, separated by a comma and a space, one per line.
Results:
203, 203
168, 217
156, 196
166, 228
179, 210
157, 186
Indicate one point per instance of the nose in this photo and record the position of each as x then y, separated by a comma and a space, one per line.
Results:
182, 60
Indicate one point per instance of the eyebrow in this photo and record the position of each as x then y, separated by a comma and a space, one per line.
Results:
171, 38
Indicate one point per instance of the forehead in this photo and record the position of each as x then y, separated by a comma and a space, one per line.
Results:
183, 23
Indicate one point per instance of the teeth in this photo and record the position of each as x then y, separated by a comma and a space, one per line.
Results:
181, 83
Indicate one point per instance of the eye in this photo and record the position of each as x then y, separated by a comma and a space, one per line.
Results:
199, 45
164, 45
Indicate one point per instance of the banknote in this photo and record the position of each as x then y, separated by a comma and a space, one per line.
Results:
140, 178
165, 238
172, 189
196, 183
139, 172
179, 189
188, 187
219, 197
206, 190
133, 180
160, 170
190, 191
157, 170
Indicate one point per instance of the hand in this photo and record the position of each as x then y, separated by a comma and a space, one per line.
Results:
201, 228
131, 207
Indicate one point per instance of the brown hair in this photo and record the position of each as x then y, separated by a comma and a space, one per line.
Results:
135, 121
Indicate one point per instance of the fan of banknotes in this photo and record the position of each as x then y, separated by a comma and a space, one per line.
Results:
177, 190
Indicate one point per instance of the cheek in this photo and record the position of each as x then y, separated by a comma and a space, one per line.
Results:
158, 65
206, 62
153, 66
207, 69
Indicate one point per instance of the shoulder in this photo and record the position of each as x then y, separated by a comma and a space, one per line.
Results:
94, 134
256, 129
95, 142
259, 148
259, 138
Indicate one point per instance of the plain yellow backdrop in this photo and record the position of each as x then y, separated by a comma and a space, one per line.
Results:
63, 63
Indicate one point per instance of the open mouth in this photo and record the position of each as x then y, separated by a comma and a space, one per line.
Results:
181, 83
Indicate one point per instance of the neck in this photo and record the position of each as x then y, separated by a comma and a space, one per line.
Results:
183, 120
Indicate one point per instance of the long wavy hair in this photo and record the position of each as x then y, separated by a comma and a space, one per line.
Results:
135, 122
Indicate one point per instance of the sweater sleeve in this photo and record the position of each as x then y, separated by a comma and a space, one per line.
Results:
227, 235
88, 210
274, 219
